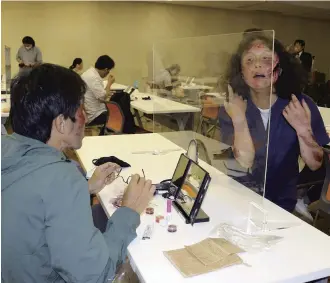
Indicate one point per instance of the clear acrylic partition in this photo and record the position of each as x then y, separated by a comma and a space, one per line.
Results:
191, 100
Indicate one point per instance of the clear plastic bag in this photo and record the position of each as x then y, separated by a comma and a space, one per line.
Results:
247, 242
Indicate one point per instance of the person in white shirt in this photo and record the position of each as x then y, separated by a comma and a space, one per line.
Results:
96, 93
167, 79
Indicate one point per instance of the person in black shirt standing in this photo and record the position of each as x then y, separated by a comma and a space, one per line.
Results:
304, 57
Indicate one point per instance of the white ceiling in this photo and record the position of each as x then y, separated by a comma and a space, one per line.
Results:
307, 9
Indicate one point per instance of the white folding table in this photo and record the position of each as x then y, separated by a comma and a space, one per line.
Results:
162, 106
5, 108
325, 113
302, 255
5, 105
158, 106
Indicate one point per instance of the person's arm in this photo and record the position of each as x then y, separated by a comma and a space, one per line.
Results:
111, 80
314, 138
243, 147
311, 152
18, 57
306, 120
176, 83
98, 90
39, 57
169, 88
168, 81
237, 135
78, 251
235, 130
290, 49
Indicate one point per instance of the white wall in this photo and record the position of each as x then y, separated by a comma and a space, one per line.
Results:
126, 30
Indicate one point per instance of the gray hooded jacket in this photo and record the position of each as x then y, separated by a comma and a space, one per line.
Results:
47, 231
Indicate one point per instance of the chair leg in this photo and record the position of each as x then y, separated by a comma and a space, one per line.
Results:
212, 132
211, 129
316, 217
204, 128
199, 125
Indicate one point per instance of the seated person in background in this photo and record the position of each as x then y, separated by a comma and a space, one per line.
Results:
96, 93
47, 227
295, 125
77, 65
28, 55
167, 79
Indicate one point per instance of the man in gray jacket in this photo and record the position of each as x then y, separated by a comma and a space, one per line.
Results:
47, 227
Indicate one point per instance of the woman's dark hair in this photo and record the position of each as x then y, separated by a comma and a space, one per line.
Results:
292, 76
40, 96
76, 61
104, 62
28, 40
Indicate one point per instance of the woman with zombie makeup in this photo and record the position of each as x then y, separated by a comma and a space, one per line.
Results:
263, 82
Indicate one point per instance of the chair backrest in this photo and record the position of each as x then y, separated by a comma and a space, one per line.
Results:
116, 118
210, 108
327, 194
202, 152
123, 100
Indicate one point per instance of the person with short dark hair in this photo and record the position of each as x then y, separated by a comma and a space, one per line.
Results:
77, 65
96, 93
262, 80
48, 234
305, 58
28, 55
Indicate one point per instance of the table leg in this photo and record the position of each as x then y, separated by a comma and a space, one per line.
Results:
3, 129
3, 120
138, 118
182, 120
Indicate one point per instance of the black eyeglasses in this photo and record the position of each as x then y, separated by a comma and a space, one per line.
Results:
128, 179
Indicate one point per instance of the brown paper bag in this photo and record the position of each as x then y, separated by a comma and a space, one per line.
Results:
207, 252
193, 260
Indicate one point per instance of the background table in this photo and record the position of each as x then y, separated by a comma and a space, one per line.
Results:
196, 87
115, 86
158, 106
302, 256
325, 113
162, 106
5, 106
